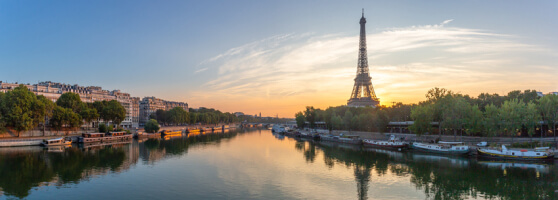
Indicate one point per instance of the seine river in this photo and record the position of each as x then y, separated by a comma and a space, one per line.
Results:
256, 164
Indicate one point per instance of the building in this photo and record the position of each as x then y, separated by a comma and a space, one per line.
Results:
149, 105
137, 111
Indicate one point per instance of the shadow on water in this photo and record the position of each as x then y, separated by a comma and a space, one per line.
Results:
438, 176
23, 168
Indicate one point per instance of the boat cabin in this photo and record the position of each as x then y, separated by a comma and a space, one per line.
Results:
93, 135
54, 141
118, 133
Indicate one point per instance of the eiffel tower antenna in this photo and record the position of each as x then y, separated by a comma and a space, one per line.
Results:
363, 92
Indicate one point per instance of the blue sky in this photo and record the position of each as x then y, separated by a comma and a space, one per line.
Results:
276, 57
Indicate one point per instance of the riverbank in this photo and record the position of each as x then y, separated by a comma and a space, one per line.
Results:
38, 134
470, 140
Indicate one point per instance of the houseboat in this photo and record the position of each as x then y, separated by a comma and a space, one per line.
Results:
169, 133
348, 139
20, 142
541, 153
103, 137
148, 135
56, 142
455, 148
121, 135
392, 143
91, 137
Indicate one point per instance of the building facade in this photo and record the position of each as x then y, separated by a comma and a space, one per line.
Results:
137, 111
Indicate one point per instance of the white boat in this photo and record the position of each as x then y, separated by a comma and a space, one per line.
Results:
392, 143
56, 142
541, 153
457, 148
20, 142
482, 144
278, 129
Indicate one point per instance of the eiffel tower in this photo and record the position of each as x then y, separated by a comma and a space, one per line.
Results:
363, 91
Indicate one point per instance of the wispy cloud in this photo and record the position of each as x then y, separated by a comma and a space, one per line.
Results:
309, 69
201, 70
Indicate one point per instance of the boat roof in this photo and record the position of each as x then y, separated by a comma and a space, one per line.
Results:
442, 142
55, 139
94, 133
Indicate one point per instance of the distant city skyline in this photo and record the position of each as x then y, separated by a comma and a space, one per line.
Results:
278, 57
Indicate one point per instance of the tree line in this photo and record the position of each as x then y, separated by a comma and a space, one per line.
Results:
22, 110
488, 115
453, 113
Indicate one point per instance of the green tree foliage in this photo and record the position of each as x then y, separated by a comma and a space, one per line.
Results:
491, 120
381, 121
103, 128
151, 126
114, 111
530, 118
548, 107
510, 113
178, 116
17, 107
336, 122
70, 100
311, 115
300, 119
88, 114
64, 117
423, 117
348, 119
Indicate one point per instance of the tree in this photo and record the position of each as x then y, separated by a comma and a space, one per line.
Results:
530, 118
310, 115
336, 122
382, 120
161, 116
347, 119
47, 111
474, 120
300, 119
422, 116
455, 112
114, 112
64, 117
548, 106
17, 109
89, 114
70, 100
510, 113
491, 120
102, 128
178, 116
151, 126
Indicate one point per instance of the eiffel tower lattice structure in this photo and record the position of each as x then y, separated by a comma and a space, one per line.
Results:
363, 91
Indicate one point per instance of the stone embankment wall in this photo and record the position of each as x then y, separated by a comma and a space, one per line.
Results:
10, 133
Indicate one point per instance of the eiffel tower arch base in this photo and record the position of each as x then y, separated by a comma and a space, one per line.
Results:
362, 102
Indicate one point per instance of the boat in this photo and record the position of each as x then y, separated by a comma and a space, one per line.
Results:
20, 142
392, 143
349, 139
169, 133
540, 153
103, 137
278, 129
148, 135
56, 142
455, 148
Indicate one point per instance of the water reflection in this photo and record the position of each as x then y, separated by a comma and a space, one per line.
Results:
23, 168
442, 177
260, 165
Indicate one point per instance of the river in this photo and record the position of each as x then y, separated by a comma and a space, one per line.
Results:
256, 164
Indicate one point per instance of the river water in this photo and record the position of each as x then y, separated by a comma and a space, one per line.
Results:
256, 164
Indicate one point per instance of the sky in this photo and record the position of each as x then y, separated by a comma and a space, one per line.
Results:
277, 57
